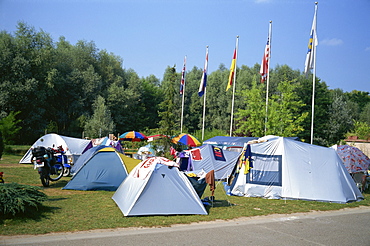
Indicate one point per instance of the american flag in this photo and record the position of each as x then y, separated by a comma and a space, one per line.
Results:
265, 62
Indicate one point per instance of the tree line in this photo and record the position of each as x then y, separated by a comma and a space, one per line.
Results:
82, 91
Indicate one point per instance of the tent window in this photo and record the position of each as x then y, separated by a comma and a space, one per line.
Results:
266, 170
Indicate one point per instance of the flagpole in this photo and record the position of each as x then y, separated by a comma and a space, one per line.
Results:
268, 74
233, 97
205, 92
314, 73
183, 92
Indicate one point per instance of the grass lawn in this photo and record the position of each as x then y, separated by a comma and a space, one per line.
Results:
70, 211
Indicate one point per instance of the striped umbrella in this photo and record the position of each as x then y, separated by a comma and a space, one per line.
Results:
133, 136
186, 139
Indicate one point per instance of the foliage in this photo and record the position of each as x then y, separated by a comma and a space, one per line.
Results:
167, 106
251, 120
340, 118
18, 198
9, 128
54, 84
284, 118
365, 115
361, 130
100, 124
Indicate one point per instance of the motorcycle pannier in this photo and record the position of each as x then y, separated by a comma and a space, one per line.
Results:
39, 151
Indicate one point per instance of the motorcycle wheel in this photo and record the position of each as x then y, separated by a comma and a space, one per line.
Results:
57, 172
67, 172
44, 177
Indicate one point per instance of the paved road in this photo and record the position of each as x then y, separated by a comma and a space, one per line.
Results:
344, 227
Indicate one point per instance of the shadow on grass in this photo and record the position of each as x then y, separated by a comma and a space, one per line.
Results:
31, 213
59, 184
216, 204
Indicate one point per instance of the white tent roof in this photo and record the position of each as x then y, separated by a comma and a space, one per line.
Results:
156, 187
72, 146
284, 168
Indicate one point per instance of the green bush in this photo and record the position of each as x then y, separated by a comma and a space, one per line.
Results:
17, 198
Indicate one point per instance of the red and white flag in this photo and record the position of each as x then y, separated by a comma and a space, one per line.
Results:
265, 62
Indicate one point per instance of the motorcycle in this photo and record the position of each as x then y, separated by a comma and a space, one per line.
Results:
50, 166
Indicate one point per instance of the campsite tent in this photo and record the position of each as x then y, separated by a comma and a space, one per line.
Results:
157, 187
209, 157
284, 168
72, 146
233, 142
105, 141
100, 168
224, 142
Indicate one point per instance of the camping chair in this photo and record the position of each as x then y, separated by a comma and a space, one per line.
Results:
360, 180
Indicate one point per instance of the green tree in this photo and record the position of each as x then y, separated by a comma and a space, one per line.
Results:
361, 130
284, 118
168, 114
101, 123
365, 114
340, 118
193, 109
9, 127
321, 110
250, 120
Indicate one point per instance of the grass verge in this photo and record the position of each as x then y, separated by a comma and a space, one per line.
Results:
71, 211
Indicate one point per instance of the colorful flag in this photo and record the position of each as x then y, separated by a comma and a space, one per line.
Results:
182, 85
265, 62
246, 159
196, 154
218, 154
203, 82
232, 71
312, 43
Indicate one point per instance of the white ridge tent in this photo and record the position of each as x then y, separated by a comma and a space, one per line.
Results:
72, 146
157, 187
289, 169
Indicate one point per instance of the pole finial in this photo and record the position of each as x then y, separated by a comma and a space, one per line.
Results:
316, 3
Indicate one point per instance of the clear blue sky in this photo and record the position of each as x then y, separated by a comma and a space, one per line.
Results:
150, 35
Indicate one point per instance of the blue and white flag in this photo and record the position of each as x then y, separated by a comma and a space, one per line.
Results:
312, 43
203, 82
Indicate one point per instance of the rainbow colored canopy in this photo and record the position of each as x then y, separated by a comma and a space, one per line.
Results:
133, 136
186, 139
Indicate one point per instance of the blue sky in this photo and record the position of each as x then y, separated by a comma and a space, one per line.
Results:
150, 35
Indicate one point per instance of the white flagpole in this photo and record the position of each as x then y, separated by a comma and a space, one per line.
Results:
233, 97
183, 93
205, 92
314, 42
268, 73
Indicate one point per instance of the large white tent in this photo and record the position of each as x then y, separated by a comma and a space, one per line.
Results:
288, 169
72, 146
157, 187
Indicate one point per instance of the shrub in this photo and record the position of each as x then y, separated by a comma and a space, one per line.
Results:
17, 198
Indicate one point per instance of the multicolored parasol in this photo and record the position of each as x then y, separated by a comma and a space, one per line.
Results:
353, 158
186, 139
132, 136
